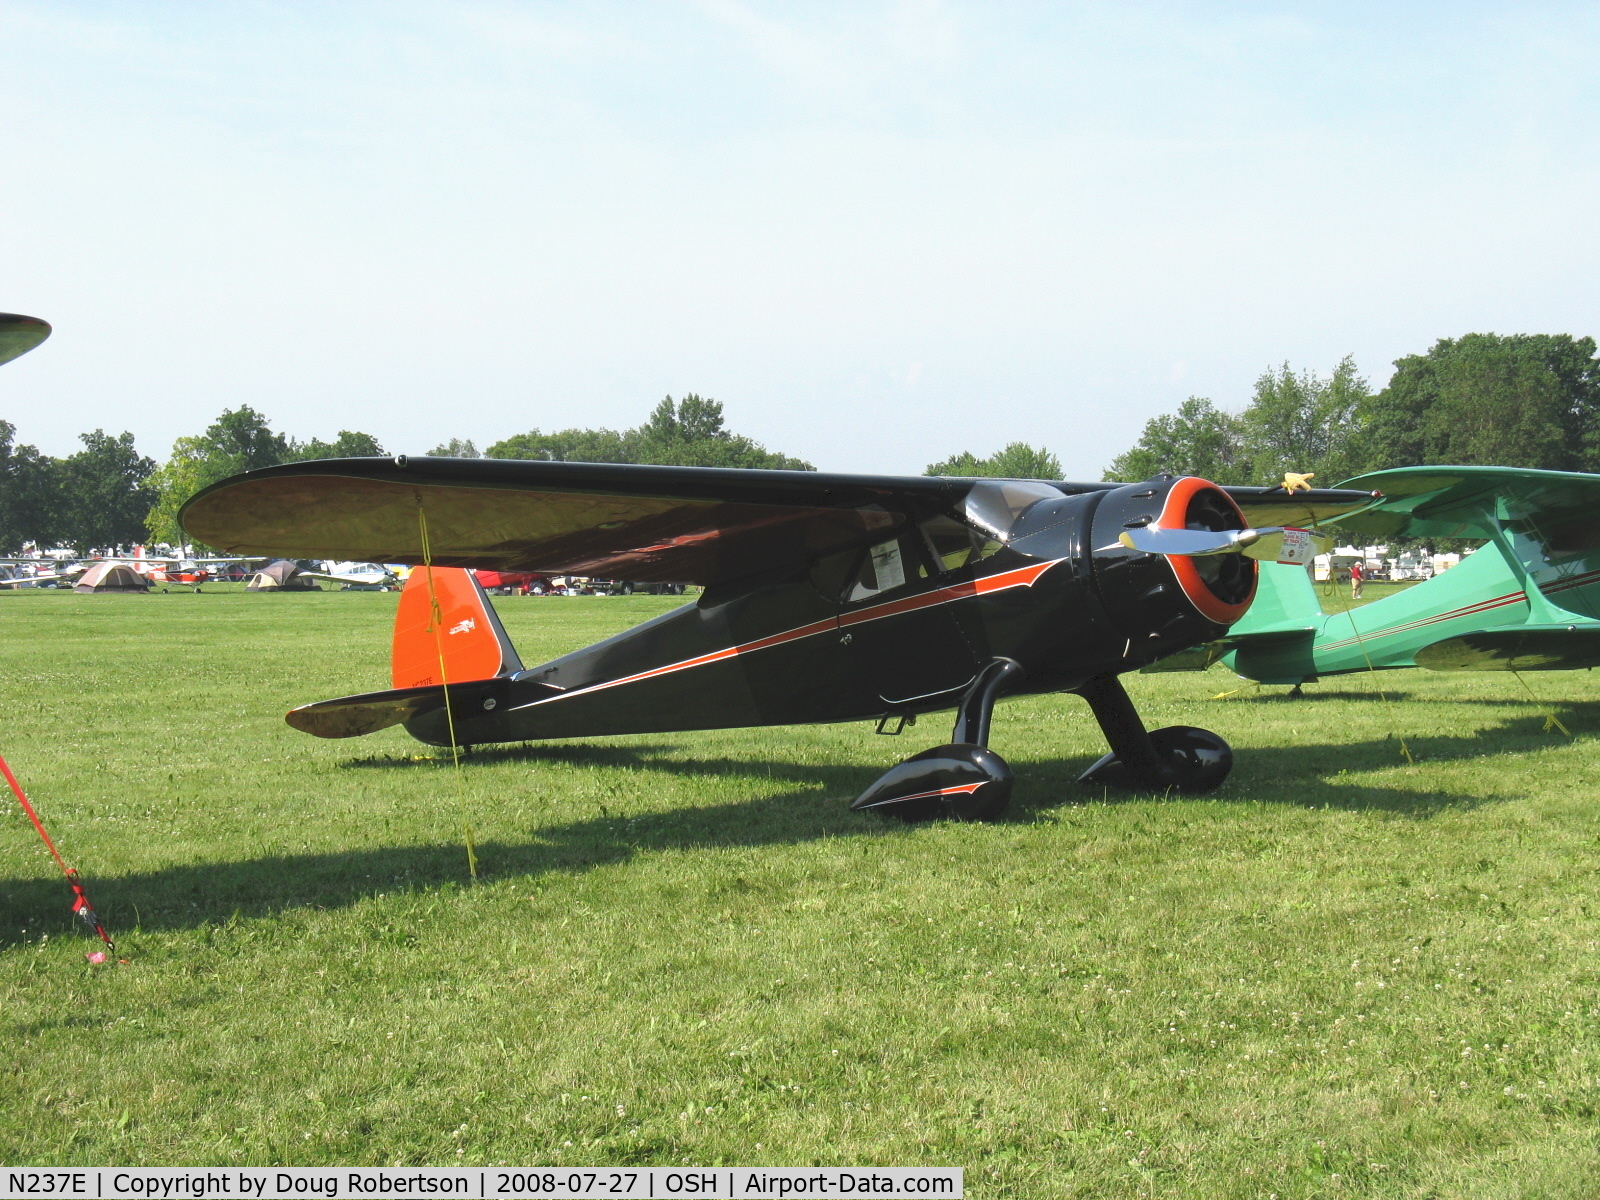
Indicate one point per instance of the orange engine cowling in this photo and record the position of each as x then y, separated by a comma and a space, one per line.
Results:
1163, 602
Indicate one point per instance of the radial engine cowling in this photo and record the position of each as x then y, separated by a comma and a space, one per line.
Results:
1166, 602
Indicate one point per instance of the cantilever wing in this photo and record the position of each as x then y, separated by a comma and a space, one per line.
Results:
648, 523
617, 521
1273, 506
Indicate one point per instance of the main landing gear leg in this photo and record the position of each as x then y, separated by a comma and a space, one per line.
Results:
964, 780
1178, 757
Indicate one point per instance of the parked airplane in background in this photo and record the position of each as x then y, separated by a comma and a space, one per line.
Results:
357, 575
827, 598
164, 571
1528, 600
31, 573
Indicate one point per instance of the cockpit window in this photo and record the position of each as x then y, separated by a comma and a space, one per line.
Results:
944, 544
884, 567
950, 542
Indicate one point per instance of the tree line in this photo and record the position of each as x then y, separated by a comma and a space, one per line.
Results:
108, 495
96, 497
1521, 400
1524, 400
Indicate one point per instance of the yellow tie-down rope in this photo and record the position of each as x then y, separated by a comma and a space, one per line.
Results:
1551, 721
1382, 695
435, 624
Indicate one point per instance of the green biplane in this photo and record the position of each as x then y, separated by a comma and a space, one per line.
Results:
1527, 600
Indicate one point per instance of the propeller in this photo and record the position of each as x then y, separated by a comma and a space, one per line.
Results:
19, 334
1276, 542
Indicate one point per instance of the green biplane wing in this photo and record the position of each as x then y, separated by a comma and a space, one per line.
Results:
1558, 509
1516, 648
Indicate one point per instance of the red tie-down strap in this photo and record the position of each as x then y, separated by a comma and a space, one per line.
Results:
80, 899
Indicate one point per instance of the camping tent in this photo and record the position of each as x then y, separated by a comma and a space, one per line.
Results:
280, 575
112, 577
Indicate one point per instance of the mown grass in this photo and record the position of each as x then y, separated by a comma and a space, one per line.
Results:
1342, 975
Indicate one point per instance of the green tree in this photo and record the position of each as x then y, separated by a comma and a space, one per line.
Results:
1015, 461
691, 419
1520, 400
570, 445
107, 492
243, 438
348, 444
688, 433
456, 448
239, 440
189, 468
1199, 439
32, 495
1304, 423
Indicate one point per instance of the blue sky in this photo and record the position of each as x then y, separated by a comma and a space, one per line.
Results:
879, 233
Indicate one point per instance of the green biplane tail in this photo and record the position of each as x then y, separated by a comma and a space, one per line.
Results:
1273, 637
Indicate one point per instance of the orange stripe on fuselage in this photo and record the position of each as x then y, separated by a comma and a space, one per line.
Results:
1406, 627
1021, 577
959, 789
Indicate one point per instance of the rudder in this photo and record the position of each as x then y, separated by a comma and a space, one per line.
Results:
470, 639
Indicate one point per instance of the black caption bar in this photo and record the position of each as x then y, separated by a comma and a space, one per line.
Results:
543, 1183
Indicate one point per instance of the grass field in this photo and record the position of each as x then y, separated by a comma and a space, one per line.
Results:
1343, 975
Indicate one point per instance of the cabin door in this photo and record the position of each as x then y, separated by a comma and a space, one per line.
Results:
898, 628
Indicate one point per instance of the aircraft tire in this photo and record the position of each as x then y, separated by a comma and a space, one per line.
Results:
955, 782
1199, 758
1193, 760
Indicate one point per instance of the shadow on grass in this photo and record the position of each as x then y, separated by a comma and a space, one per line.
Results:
1279, 694
815, 807
195, 895
1333, 774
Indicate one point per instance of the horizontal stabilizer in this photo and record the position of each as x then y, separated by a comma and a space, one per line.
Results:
1195, 658
353, 716
1198, 658
1517, 648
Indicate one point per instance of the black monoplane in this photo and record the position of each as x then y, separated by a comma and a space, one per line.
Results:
826, 598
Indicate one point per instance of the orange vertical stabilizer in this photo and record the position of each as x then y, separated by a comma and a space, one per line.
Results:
470, 638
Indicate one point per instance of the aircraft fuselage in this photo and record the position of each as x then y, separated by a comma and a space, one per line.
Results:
898, 628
